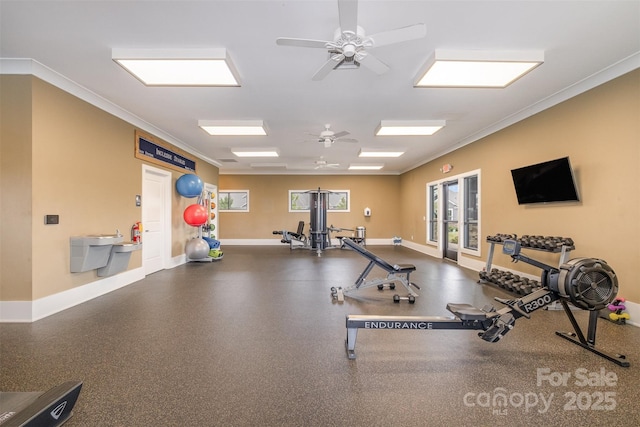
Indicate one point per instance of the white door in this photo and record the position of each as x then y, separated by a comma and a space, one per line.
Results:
156, 217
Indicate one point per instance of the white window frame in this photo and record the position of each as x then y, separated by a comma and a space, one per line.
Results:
440, 214
222, 193
329, 208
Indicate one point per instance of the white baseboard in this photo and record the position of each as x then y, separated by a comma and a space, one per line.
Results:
250, 242
176, 261
425, 249
633, 309
30, 311
277, 242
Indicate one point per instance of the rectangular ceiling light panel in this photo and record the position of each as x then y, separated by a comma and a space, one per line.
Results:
366, 152
477, 68
356, 167
178, 67
255, 152
233, 127
409, 127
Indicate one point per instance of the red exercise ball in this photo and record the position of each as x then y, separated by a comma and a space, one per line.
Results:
195, 215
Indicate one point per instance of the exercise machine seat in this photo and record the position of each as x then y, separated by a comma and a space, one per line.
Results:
466, 311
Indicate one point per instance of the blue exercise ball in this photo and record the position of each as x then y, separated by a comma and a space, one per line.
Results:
189, 185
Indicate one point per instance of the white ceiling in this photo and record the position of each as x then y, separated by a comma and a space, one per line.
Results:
585, 43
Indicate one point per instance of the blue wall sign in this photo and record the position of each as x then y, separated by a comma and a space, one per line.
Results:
162, 155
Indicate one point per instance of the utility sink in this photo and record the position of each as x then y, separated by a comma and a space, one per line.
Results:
98, 239
92, 251
126, 247
118, 258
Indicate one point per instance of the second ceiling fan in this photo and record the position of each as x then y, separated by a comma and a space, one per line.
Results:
350, 43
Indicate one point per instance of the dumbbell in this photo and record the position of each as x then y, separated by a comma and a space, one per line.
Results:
622, 316
567, 241
337, 294
616, 307
389, 285
509, 284
410, 298
525, 289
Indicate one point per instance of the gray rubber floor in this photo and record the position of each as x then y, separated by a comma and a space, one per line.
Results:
256, 340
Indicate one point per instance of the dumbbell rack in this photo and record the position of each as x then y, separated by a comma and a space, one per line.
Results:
563, 250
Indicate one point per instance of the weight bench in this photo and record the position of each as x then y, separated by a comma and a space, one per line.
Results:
290, 237
395, 273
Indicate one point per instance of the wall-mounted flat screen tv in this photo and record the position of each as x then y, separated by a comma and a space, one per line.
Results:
547, 182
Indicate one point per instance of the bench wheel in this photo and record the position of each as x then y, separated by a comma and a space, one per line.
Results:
396, 298
412, 299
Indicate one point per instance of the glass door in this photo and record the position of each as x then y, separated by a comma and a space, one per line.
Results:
450, 222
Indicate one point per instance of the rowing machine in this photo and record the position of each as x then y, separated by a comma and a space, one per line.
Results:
493, 324
587, 283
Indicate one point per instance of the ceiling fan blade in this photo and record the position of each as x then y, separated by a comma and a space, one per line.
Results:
332, 63
340, 134
374, 64
399, 35
283, 41
347, 140
348, 10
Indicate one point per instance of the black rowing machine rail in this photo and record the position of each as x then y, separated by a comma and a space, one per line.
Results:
587, 283
396, 273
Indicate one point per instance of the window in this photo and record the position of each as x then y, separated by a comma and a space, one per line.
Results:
233, 201
300, 200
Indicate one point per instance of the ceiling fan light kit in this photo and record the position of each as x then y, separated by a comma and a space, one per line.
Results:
349, 46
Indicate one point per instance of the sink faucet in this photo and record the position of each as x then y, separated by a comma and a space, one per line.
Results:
118, 232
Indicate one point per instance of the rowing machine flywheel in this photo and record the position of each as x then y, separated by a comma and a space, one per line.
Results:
589, 283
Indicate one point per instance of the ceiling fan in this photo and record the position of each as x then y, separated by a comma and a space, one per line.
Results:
327, 137
349, 46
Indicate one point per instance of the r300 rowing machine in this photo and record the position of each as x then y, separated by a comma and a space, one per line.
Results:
587, 283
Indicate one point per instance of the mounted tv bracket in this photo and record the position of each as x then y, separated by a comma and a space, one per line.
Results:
589, 284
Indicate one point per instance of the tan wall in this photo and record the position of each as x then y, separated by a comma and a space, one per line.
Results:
84, 170
269, 196
600, 132
15, 188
